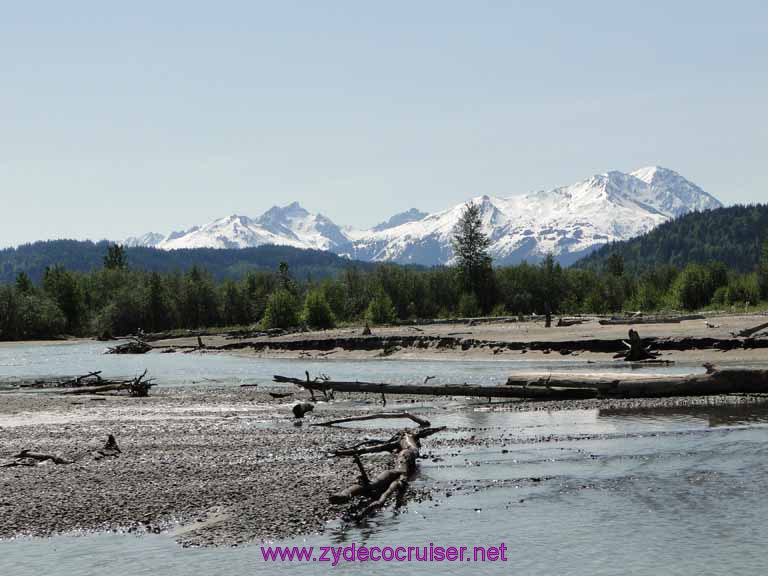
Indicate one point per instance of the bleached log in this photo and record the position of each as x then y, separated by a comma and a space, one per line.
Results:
386, 415
574, 386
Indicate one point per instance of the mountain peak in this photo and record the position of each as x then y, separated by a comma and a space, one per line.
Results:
411, 215
291, 209
671, 193
294, 207
650, 173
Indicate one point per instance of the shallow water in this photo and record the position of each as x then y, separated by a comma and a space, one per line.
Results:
38, 360
583, 492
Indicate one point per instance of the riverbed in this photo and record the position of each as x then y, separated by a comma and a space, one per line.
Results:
672, 486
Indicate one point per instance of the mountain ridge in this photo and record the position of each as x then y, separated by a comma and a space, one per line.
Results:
568, 221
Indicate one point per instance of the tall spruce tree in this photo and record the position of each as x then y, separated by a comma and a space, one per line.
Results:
470, 246
115, 258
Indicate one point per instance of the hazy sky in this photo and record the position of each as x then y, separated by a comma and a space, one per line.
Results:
120, 118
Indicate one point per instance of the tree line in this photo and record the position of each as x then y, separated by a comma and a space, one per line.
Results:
118, 299
732, 235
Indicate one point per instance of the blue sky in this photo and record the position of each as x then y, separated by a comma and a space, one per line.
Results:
120, 118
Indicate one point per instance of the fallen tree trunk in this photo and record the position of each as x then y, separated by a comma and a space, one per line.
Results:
78, 380
115, 387
714, 382
137, 387
573, 386
565, 322
41, 457
419, 389
748, 332
650, 320
30, 458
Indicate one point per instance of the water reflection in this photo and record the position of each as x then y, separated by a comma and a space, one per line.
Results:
714, 416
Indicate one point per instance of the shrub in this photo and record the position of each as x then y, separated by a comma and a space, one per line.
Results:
282, 310
468, 306
40, 317
381, 310
317, 312
692, 288
743, 289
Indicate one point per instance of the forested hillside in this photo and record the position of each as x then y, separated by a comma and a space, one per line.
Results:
732, 236
85, 256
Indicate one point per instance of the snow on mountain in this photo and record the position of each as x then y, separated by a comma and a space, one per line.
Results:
569, 222
411, 215
290, 225
150, 239
673, 194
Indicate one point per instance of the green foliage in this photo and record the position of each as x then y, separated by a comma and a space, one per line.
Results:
381, 310
616, 264
235, 309
27, 315
199, 301
119, 301
693, 288
62, 286
742, 290
763, 270
553, 287
85, 257
282, 310
115, 258
125, 314
161, 313
317, 312
24, 284
473, 262
285, 276
731, 235
469, 306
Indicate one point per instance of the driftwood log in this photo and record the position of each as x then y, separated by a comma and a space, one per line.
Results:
385, 415
749, 332
565, 322
574, 386
79, 380
30, 458
650, 320
636, 352
405, 448
427, 390
137, 387
136, 345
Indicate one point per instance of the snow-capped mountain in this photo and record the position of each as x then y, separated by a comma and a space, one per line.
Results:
290, 225
570, 222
